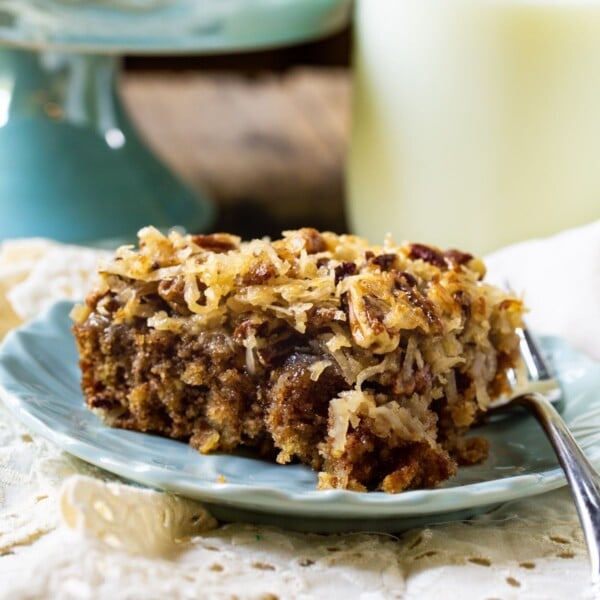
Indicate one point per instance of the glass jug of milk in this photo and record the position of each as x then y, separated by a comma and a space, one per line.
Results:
476, 123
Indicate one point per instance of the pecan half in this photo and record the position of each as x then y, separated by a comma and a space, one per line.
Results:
314, 241
172, 292
428, 254
259, 272
384, 261
457, 257
343, 270
216, 242
418, 300
366, 316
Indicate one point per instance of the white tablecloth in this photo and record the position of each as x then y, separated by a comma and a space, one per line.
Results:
68, 530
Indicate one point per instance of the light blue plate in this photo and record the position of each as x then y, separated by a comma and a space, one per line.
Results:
39, 381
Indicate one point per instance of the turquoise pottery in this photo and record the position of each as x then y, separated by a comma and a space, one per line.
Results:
72, 166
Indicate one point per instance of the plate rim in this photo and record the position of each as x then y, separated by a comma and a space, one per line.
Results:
265, 498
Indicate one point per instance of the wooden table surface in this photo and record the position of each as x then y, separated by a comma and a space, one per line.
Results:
269, 149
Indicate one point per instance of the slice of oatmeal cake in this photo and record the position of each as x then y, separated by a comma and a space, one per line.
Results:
367, 363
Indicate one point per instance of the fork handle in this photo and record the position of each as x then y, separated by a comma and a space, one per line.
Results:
582, 477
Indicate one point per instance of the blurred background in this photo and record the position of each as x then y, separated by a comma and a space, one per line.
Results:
204, 114
264, 133
463, 124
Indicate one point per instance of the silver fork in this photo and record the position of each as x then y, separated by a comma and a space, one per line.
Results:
543, 392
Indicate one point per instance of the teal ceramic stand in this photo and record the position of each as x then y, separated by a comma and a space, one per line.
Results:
71, 164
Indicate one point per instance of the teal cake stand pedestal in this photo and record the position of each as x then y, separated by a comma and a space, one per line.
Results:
72, 166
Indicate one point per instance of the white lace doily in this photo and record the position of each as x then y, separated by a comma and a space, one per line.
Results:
69, 530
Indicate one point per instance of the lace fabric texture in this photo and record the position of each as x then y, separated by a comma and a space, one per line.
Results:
69, 530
